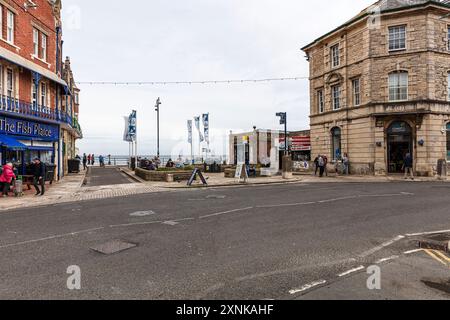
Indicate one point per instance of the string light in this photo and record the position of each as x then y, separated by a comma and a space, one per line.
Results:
159, 83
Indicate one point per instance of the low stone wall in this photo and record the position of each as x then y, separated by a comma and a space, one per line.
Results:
162, 175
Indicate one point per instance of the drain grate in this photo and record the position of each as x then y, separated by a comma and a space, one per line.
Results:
114, 246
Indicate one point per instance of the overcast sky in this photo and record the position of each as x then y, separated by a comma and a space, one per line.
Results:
183, 40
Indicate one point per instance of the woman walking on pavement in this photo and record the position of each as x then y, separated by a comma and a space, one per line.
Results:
89, 159
6, 178
84, 161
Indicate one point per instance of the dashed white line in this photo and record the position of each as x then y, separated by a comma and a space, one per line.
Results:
225, 212
427, 233
50, 238
412, 251
387, 259
346, 273
381, 247
308, 286
134, 224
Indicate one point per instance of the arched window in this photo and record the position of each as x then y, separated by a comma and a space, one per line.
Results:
448, 141
336, 143
398, 86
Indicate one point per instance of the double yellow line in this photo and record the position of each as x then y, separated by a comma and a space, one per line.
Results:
439, 256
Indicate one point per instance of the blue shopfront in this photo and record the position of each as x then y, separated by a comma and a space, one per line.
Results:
22, 140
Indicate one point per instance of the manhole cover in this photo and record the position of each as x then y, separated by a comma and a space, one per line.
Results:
142, 213
113, 246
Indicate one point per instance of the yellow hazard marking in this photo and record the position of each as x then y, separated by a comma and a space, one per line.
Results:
434, 254
443, 256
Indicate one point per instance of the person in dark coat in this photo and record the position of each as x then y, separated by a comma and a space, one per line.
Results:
38, 170
85, 160
408, 166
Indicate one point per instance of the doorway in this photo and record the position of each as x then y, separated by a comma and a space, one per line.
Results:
399, 142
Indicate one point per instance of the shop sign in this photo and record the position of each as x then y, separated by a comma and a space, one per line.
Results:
28, 128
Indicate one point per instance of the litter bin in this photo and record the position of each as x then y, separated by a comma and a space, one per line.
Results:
73, 166
50, 172
18, 188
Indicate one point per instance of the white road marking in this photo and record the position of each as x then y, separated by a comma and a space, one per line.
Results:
413, 251
286, 205
381, 247
50, 238
134, 224
346, 273
170, 223
225, 212
387, 259
308, 286
427, 233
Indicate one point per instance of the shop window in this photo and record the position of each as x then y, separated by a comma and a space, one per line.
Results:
336, 143
448, 141
398, 86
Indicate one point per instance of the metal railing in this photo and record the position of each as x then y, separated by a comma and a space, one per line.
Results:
34, 110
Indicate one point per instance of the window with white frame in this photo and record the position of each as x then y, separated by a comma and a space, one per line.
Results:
320, 101
356, 88
35, 42
10, 83
1, 80
335, 59
398, 86
44, 47
43, 94
10, 27
336, 97
34, 96
397, 38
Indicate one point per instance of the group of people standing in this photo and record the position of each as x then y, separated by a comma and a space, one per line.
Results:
89, 160
321, 165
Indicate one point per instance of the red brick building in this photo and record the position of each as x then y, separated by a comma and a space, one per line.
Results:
38, 96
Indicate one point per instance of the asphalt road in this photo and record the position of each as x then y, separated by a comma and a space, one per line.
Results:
226, 243
105, 176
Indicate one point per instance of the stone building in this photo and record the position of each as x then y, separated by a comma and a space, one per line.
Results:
380, 88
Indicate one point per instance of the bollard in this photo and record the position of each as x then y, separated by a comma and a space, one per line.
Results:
287, 167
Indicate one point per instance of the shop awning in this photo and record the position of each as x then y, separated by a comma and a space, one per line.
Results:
12, 143
39, 148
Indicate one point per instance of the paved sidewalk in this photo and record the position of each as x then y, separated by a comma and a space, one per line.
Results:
70, 189
218, 180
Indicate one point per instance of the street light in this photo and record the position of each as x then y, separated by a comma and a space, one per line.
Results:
283, 121
158, 103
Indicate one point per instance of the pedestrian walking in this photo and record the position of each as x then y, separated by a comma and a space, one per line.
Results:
39, 176
6, 178
346, 163
93, 160
325, 165
408, 166
101, 159
316, 165
85, 162
321, 164
89, 157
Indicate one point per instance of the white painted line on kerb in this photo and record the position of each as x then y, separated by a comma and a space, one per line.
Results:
346, 273
134, 224
427, 233
381, 247
50, 238
387, 259
308, 286
225, 212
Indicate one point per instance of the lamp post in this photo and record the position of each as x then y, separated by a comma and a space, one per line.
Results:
158, 103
